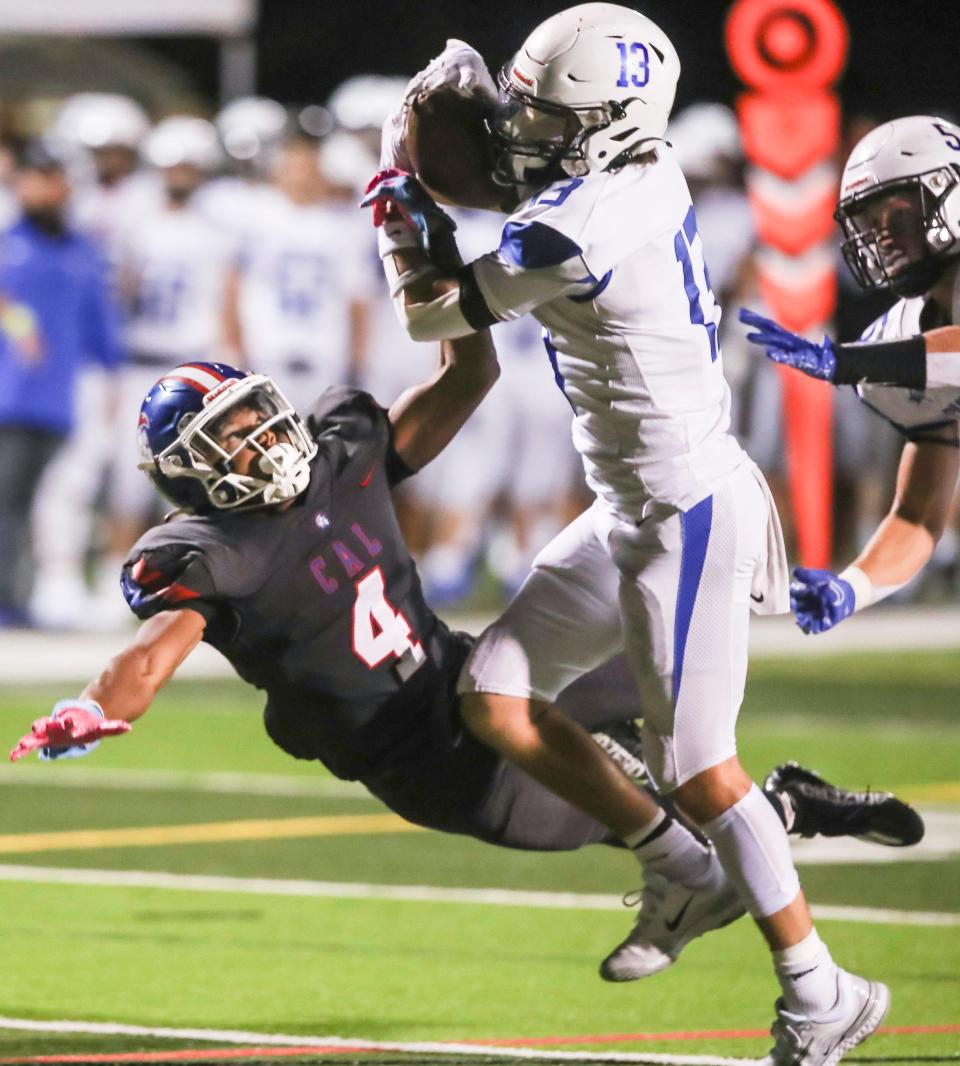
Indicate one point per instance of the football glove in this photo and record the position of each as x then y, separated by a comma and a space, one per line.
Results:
820, 599
72, 729
790, 349
458, 67
401, 191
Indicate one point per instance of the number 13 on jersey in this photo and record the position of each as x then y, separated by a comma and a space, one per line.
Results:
379, 631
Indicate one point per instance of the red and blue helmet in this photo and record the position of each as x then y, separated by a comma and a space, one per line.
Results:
182, 454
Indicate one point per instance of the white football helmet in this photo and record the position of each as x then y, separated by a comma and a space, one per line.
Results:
183, 139
900, 204
251, 126
589, 89
101, 120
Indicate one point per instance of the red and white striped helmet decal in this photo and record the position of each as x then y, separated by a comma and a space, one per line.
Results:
200, 376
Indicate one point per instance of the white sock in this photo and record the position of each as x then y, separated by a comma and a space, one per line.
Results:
808, 976
666, 847
753, 848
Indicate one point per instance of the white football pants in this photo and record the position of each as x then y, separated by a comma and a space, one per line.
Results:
674, 590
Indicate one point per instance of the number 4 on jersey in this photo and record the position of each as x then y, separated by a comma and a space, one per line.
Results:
379, 631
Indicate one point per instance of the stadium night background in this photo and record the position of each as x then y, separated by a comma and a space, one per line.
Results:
191, 893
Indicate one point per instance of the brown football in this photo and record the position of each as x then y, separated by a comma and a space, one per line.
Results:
451, 152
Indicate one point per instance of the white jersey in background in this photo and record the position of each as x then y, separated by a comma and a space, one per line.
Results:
611, 264
301, 268
107, 214
177, 263
908, 410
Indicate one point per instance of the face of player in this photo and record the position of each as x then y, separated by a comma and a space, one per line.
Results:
182, 181
897, 221
298, 174
235, 428
114, 162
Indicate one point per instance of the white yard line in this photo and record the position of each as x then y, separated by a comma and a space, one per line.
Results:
407, 893
250, 784
232, 1036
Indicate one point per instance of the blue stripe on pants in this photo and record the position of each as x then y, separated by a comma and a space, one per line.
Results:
695, 532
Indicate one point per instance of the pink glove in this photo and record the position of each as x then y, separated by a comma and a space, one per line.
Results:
73, 728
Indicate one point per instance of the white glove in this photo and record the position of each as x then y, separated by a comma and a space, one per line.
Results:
458, 67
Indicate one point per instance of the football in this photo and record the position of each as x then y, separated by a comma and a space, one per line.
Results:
451, 151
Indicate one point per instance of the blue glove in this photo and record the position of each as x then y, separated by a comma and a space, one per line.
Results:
820, 599
790, 349
397, 188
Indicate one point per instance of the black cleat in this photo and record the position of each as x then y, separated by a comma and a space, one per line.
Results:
835, 812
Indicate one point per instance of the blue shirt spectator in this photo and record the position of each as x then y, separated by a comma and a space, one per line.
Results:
55, 312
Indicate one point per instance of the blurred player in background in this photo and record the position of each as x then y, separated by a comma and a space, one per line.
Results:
499, 511
298, 299
99, 135
900, 213
252, 129
604, 250
56, 313
172, 274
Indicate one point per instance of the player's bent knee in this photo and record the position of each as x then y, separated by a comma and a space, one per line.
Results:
714, 790
495, 718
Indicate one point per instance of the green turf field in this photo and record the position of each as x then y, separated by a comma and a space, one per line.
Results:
230, 955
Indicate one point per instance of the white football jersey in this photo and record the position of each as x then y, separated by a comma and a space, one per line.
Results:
909, 410
179, 264
301, 268
612, 266
107, 214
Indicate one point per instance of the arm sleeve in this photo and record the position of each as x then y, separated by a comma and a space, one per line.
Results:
171, 578
534, 264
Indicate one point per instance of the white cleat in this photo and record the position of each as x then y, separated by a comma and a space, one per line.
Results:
801, 1041
671, 915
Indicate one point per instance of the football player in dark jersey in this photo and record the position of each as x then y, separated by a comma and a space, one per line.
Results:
286, 555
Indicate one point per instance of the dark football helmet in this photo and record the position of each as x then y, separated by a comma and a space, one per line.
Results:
189, 459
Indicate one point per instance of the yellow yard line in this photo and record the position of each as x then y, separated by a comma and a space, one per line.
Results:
941, 792
207, 832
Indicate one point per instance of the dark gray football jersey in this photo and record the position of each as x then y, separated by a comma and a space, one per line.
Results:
320, 605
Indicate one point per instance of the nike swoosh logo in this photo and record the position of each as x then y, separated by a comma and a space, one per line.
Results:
366, 480
756, 599
678, 917
797, 976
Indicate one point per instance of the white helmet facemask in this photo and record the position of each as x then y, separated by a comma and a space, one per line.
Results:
590, 89
900, 205
249, 413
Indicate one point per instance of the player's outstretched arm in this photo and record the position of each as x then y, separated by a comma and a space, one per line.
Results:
122, 692
901, 546
926, 360
428, 416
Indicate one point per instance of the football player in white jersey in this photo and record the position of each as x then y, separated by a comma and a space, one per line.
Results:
300, 293
900, 211
683, 538
172, 274
100, 134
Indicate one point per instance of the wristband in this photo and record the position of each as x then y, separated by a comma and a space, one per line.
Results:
396, 235
902, 363
865, 592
